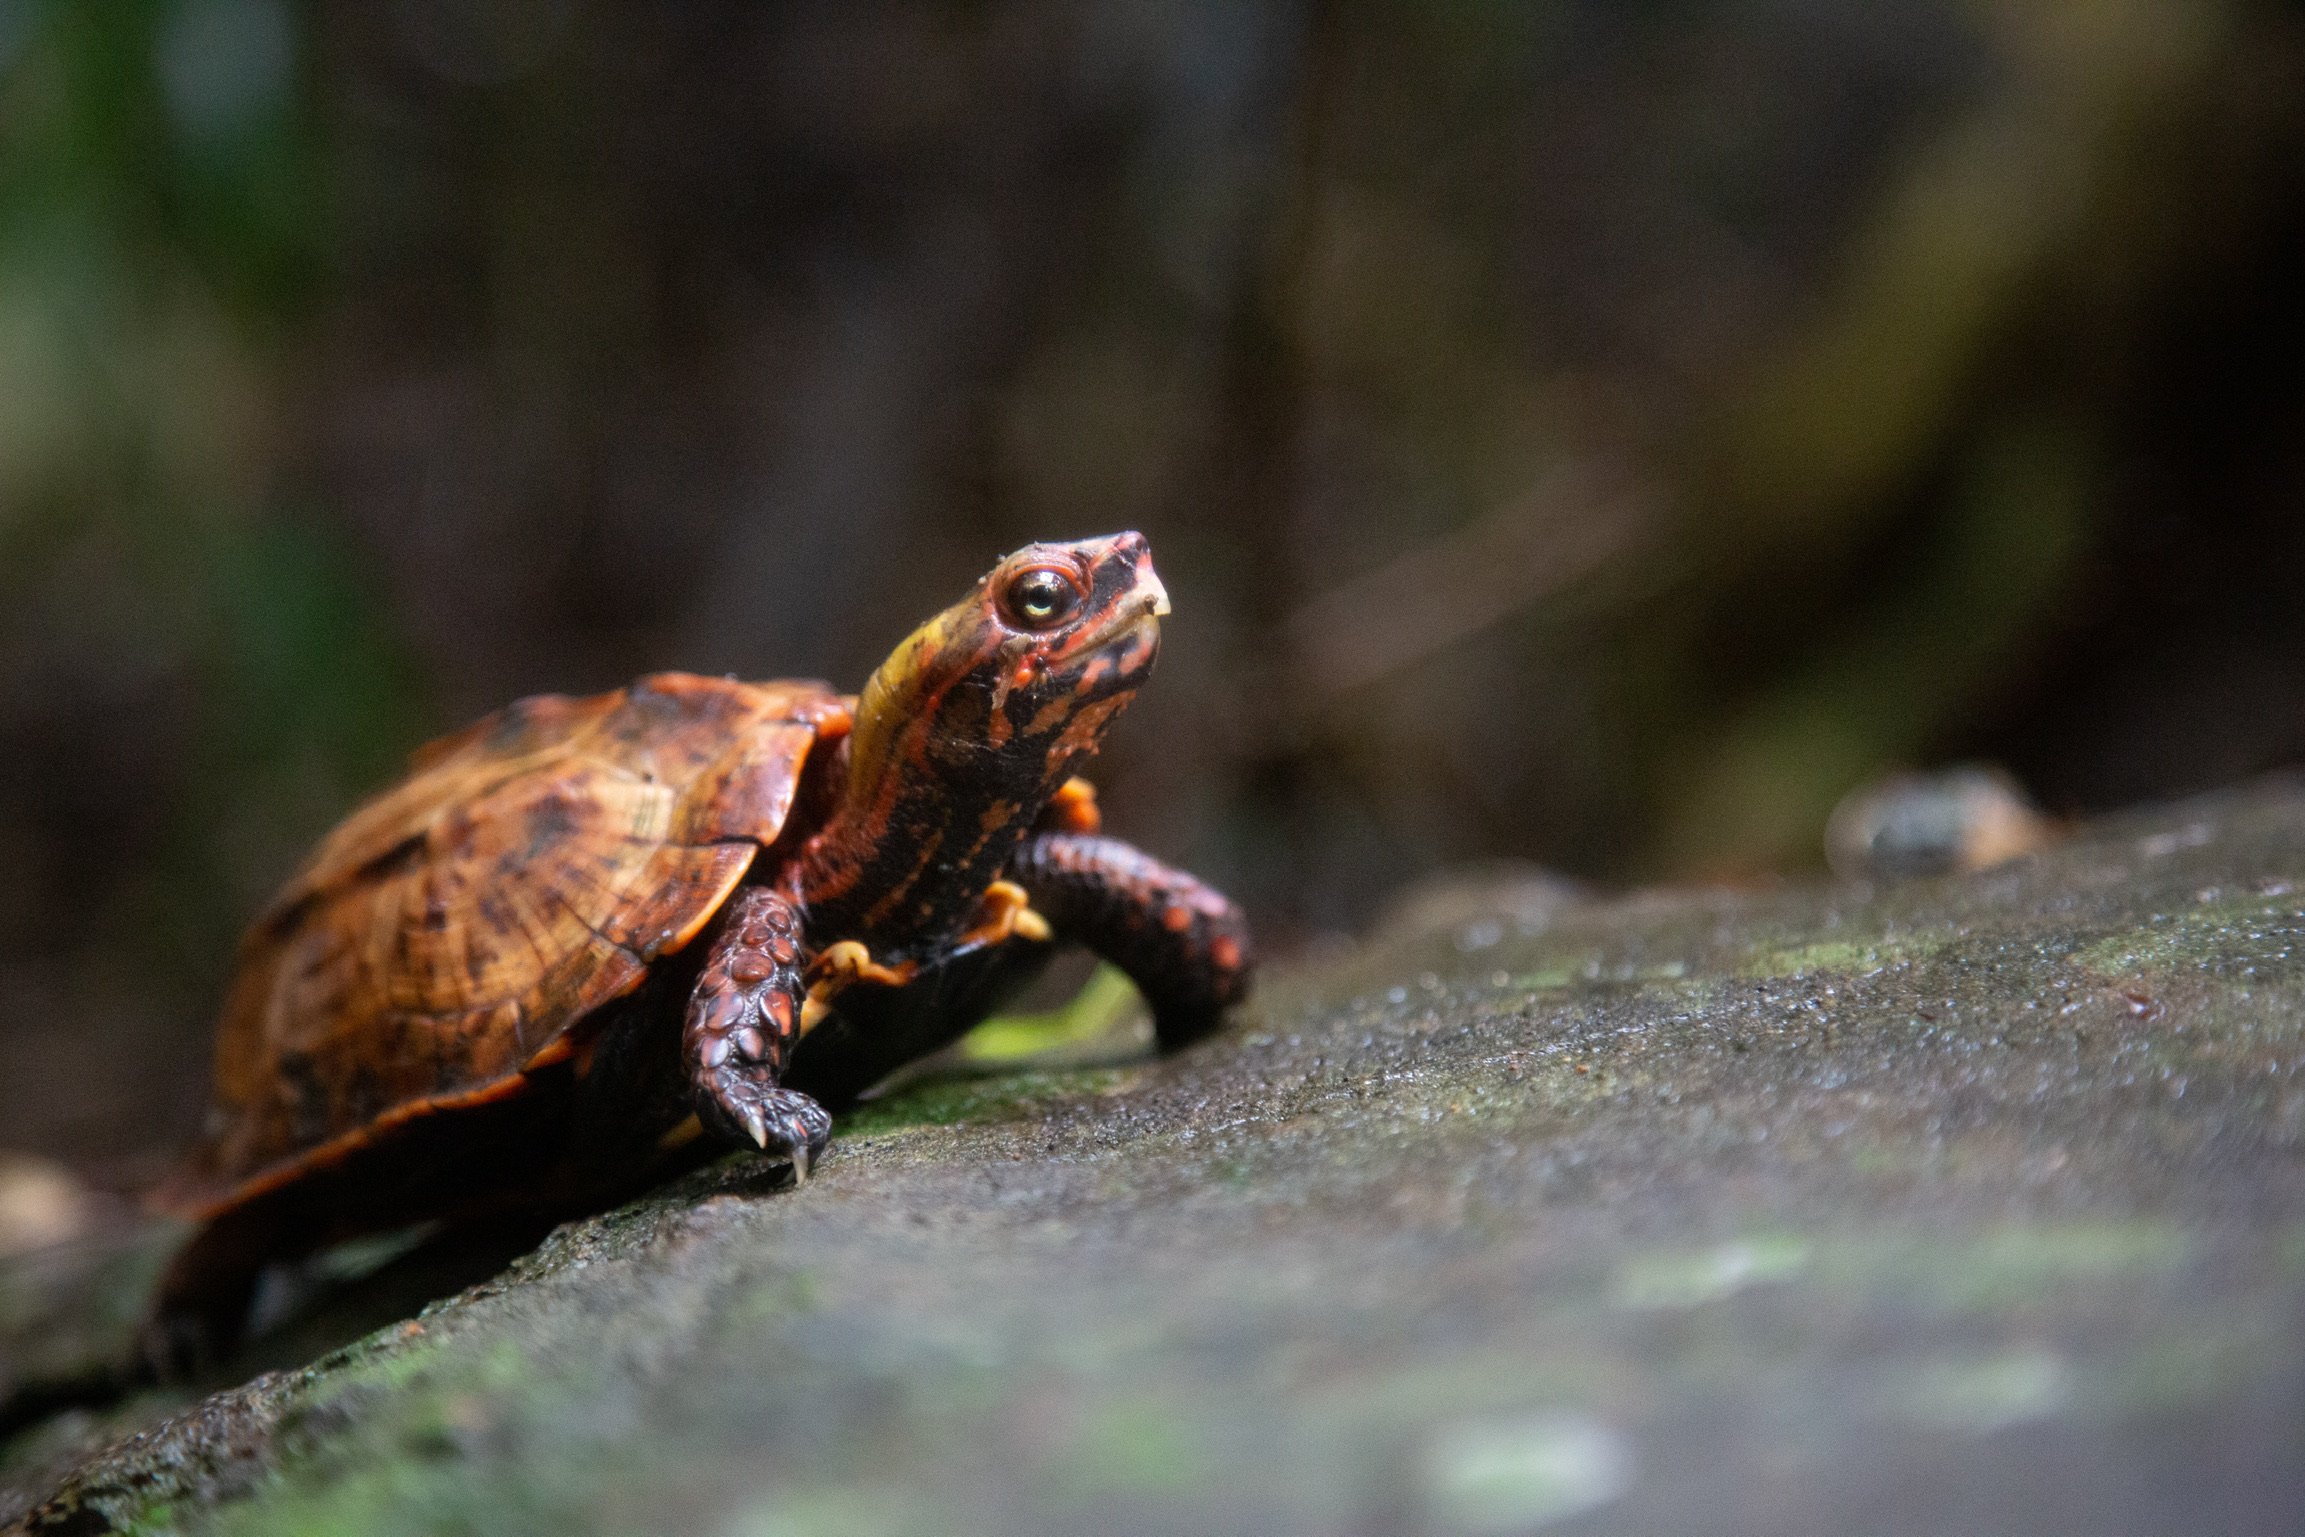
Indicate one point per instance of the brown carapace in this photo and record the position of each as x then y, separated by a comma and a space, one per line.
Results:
586, 940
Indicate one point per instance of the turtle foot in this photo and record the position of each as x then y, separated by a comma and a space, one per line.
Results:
742, 1109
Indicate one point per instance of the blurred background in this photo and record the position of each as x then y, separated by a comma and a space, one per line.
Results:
1595, 431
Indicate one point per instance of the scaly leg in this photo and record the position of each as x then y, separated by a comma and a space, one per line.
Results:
743, 1018
1184, 944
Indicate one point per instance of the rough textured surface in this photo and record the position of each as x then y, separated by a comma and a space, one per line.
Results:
1969, 1206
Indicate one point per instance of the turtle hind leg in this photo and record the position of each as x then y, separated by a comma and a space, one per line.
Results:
202, 1307
743, 1018
1184, 944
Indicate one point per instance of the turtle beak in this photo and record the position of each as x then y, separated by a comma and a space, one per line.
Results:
1125, 591
1149, 590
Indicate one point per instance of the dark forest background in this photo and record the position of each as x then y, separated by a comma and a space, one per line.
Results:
1594, 431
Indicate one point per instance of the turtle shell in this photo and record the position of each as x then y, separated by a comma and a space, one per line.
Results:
456, 931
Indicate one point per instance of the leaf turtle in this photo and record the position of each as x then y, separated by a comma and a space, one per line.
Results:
587, 938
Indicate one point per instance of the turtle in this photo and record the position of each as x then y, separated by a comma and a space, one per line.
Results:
586, 940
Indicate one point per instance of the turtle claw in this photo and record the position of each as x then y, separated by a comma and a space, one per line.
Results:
752, 1122
747, 1110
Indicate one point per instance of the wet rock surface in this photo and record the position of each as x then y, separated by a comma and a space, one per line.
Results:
1974, 1205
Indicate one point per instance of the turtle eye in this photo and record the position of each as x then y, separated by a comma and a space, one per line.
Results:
1040, 597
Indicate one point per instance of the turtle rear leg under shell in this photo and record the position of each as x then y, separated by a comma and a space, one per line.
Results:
743, 1018
201, 1308
1183, 943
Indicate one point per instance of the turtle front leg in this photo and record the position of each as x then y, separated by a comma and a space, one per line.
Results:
743, 1018
1183, 943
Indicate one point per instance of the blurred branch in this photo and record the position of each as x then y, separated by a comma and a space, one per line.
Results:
1576, 522
1317, 651
1386, 621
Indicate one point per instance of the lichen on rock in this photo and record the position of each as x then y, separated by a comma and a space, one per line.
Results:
1979, 1199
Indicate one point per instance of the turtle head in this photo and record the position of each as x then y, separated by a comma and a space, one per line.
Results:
972, 723
1049, 633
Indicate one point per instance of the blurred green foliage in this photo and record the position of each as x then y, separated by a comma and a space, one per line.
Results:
161, 237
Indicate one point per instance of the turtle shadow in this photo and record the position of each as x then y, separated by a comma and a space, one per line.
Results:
349, 1292
72, 1344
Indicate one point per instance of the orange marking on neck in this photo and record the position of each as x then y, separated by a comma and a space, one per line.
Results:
894, 897
1086, 728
